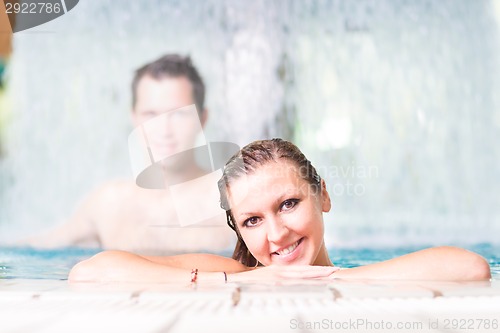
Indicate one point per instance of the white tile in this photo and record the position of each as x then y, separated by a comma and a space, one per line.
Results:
378, 289
261, 308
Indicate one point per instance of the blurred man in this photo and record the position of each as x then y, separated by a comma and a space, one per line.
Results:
122, 215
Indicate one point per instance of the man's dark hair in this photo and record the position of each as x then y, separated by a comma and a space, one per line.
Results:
172, 66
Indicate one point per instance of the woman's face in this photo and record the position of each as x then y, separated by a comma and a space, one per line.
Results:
279, 215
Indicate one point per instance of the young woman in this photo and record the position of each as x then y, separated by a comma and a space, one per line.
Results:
274, 201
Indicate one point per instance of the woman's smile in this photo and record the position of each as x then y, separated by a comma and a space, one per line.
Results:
289, 253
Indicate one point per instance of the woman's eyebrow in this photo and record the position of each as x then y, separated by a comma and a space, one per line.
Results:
246, 214
276, 202
287, 195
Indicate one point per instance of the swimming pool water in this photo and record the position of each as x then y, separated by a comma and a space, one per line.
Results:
28, 263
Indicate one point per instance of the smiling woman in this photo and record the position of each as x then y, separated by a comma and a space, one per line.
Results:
275, 204
274, 201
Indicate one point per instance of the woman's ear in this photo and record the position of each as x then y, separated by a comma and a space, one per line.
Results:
326, 203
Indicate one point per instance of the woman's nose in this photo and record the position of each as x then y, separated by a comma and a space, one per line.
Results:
276, 230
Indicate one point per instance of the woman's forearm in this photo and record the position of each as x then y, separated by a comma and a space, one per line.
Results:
439, 263
202, 261
125, 266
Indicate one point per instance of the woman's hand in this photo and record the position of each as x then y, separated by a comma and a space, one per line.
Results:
279, 273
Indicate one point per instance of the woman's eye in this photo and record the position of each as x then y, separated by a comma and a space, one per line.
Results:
289, 204
251, 222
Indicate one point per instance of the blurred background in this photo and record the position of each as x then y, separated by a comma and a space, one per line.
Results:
397, 104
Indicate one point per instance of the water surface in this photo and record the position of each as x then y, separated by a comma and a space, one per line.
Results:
28, 263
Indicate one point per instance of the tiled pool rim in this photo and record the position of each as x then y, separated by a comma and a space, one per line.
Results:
294, 306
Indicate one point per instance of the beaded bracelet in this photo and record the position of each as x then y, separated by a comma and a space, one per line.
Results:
194, 275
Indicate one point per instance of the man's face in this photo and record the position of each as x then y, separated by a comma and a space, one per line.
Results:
171, 131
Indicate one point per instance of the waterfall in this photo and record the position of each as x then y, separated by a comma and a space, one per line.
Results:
395, 102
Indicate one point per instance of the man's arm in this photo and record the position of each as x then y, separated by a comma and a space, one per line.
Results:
79, 230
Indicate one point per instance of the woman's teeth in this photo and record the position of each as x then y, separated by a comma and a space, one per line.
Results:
288, 249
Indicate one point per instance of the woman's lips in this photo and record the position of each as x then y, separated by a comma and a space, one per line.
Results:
289, 253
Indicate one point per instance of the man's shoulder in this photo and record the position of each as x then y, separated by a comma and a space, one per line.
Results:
118, 185
114, 190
